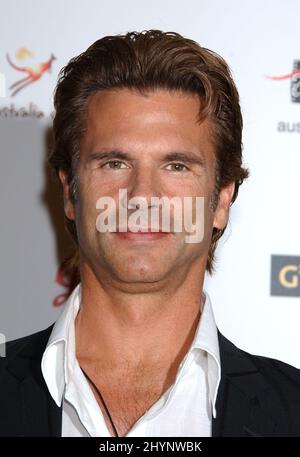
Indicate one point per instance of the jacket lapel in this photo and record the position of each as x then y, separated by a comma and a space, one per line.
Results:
244, 395
40, 416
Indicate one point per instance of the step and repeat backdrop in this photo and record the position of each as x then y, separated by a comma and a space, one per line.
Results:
255, 290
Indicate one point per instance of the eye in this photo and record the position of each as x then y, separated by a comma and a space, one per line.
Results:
114, 164
177, 166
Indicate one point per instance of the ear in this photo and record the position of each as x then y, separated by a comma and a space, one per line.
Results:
221, 214
68, 205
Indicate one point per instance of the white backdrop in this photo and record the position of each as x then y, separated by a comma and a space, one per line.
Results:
258, 39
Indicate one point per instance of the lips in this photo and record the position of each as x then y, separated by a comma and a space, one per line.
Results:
139, 230
141, 235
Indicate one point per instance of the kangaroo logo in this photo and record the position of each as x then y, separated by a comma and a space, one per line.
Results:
32, 73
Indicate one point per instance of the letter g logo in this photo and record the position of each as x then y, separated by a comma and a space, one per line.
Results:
285, 275
289, 276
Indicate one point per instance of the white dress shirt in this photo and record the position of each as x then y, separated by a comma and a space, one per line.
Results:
184, 410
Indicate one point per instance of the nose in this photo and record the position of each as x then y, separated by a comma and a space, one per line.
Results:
144, 183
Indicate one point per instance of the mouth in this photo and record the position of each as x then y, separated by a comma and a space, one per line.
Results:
142, 235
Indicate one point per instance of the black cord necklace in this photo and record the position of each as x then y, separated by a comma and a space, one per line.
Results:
103, 402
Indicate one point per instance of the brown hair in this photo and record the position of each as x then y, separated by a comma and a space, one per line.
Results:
142, 61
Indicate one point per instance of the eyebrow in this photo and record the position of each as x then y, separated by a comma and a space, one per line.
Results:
188, 157
114, 154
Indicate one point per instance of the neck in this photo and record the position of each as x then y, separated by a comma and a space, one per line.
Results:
154, 325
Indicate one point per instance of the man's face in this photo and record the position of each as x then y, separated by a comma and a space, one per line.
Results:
156, 148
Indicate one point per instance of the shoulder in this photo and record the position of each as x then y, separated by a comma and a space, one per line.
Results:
229, 352
29, 345
23, 392
257, 393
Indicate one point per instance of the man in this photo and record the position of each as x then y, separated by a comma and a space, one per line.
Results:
136, 351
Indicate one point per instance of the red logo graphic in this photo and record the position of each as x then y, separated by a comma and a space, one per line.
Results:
33, 73
68, 277
63, 281
288, 76
294, 76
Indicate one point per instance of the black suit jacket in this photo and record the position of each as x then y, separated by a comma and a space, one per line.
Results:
257, 396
